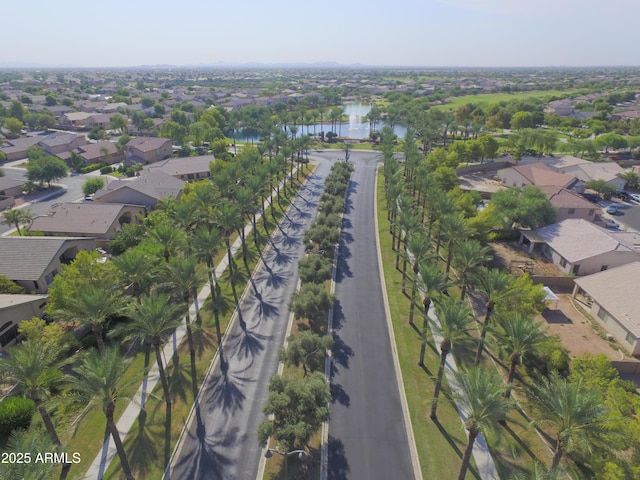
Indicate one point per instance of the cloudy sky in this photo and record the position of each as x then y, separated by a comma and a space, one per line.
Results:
373, 32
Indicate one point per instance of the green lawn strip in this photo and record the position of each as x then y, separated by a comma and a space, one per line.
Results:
440, 446
501, 97
145, 441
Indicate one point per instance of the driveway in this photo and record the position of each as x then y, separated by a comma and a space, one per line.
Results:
221, 440
367, 435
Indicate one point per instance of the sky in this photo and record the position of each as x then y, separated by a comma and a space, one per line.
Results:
429, 33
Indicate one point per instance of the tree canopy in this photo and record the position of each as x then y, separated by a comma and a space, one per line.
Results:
528, 207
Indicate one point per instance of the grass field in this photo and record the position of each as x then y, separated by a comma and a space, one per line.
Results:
501, 97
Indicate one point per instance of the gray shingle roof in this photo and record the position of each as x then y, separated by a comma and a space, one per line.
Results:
155, 185
79, 218
616, 290
26, 258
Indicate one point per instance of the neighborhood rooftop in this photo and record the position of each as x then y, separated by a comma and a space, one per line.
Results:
617, 292
27, 257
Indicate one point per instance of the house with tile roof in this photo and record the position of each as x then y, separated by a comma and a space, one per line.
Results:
147, 150
16, 149
99, 221
584, 170
59, 142
579, 247
538, 174
144, 190
569, 204
613, 300
184, 168
32, 262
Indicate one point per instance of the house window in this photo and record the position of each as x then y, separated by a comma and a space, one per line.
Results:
572, 211
563, 262
576, 269
603, 315
592, 212
603, 268
630, 338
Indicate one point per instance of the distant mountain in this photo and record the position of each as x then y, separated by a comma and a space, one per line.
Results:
34, 65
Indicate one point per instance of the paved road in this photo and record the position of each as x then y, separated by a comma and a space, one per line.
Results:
221, 441
72, 184
367, 435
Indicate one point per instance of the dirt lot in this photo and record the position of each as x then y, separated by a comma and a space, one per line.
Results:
575, 330
514, 258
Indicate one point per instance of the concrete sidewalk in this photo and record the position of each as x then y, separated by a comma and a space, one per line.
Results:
131, 413
481, 453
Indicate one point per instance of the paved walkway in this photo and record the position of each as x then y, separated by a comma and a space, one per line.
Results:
131, 413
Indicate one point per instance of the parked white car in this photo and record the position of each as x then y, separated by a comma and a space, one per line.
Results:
635, 197
611, 224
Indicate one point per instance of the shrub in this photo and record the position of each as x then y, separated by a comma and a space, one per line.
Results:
314, 268
15, 412
106, 169
91, 168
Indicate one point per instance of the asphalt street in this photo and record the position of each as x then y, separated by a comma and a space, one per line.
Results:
367, 435
73, 193
221, 441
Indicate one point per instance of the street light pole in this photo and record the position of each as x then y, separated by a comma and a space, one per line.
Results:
302, 455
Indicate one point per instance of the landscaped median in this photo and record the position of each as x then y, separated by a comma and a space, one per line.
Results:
293, 427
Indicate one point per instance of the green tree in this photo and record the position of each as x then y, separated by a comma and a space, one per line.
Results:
298, 408
8, 286
631, 178
604, 188
118, 123
152, 321
53, 335
482, 397
490, 146
13, 125
307, 349
575, 413
16, 218
518, 336
92, 185
521, 120
99, 377
34, 369
93, 306
468, 256
432, 281
528, 208
30, 442
45, 168
314, 268
312, 302
206, 244
453, 325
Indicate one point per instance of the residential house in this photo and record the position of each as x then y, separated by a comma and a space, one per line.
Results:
184, 168
614, 302
580, 247
538, 174
144, 190
610, 172
13, 310
568, 204
74, 119
9, 189
92, 106
98, 120
16, 149
61, 142
147, 150
99, 221
32, 262
99, 152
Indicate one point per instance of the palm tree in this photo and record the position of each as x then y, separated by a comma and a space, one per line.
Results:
228, 220
453, 325
98, 376
16, 217
418, 250
454, 227
168, 236
153, 319
185, 277
576, 414
495, 284
135, 268
34, 369
481, 397
206, 243
407, 220
92, 307
468, 256
432, 281
245, 201
518, 336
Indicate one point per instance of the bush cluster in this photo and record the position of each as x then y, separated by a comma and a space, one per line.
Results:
15, 413
91, 168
